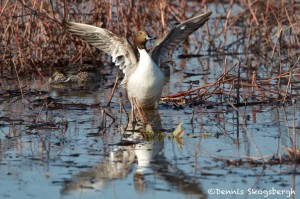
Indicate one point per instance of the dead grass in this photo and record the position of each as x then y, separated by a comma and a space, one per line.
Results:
32, 37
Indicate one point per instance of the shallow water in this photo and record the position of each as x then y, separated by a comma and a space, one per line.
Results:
64, 148
67, 143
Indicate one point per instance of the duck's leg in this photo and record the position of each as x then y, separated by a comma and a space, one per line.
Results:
132, 119
140, 112
136, 106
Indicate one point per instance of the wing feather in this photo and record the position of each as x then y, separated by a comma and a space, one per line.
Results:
122, 52
177, 35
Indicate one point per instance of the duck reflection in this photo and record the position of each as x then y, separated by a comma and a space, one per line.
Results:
133, 154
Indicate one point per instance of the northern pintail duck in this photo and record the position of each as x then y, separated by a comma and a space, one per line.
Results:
76, 73
143, 79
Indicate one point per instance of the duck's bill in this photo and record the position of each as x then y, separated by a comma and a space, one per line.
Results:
150, 38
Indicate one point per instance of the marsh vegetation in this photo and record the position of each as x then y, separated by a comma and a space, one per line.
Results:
233, 84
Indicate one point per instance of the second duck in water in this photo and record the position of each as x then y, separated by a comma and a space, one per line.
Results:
76, 73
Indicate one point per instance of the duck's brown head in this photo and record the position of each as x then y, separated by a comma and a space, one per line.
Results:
141, 39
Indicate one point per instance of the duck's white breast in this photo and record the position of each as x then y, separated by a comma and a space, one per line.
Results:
146, 83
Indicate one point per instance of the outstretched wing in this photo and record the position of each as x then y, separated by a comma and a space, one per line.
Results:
177, 35
119, 48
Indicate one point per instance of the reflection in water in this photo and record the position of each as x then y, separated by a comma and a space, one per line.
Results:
74, 89
134, 154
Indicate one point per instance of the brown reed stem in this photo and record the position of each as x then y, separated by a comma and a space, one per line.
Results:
113, 89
